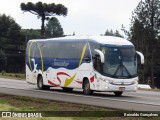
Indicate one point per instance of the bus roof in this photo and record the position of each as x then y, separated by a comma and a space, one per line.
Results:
109, 40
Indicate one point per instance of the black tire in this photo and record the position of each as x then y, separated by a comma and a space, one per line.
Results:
118, 93
86, 88
67, 89
40, 84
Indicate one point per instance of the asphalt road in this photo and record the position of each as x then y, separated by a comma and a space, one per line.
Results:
137, 101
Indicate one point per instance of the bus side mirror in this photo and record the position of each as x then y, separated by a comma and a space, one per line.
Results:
141, 56
100, 54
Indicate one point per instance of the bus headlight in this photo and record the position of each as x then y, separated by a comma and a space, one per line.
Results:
135, 81
135, 88
105, 80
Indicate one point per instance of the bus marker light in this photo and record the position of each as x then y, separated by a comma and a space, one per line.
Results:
106, 87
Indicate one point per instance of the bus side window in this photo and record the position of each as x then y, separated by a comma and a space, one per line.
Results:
44, 50
87, 55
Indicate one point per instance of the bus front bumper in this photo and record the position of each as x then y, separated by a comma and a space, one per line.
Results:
113, 88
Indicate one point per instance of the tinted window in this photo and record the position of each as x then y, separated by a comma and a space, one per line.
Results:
36, 48
94, 46
53, 49
32, 47
66, 50
44, 49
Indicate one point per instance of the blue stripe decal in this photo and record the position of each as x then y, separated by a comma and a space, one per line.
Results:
56, 63
117, 46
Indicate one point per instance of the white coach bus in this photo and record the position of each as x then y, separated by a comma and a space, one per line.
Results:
94, 63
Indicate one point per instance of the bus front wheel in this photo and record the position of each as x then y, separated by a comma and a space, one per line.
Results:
40, 84
86, 88
118, 93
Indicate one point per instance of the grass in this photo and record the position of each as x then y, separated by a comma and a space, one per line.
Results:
36, 104
12, 75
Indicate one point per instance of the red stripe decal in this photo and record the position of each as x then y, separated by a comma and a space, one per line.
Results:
63, 73
59, 79
80, 82
53, 84
92, 79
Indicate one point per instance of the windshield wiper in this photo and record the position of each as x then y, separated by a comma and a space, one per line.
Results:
121, 67
127, 71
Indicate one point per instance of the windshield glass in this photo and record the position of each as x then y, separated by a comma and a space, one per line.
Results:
120, 62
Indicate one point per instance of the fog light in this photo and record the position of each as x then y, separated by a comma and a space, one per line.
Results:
133, 82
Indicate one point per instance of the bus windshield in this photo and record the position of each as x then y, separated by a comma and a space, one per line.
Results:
120, 62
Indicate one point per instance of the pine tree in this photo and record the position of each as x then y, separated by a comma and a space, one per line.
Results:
42, 10
53, 28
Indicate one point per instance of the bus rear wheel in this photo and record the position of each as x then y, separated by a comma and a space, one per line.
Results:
40, 84
118, 93
86, 88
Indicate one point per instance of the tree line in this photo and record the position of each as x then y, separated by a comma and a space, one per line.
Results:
112, 33
13, 39
144, 33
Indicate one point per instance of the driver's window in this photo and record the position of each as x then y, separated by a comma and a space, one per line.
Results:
97, 63
95, 57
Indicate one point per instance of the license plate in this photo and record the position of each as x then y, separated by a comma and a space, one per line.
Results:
122, 88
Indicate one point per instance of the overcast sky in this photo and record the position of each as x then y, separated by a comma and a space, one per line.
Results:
85, 17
